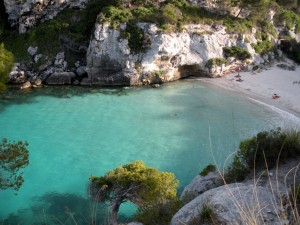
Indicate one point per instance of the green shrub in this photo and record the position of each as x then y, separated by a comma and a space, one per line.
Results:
263, 46
205, 216
263, 150
206, 213
160, 214
115, 16
6, 64
237, 52
215, 62
135, 37
206, 170
170, 14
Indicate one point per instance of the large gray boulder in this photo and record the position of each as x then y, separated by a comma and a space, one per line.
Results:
60, 78
233, 204
200, 184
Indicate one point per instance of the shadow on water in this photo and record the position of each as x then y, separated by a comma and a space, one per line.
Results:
56, 208
16, 96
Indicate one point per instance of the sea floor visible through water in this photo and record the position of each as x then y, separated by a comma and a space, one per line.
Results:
76, 132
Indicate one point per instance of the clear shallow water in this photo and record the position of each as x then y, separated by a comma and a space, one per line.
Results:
78, 132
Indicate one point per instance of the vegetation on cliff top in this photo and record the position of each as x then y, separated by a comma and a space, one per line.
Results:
169, 15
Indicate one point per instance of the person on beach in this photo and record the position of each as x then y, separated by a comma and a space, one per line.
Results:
275, 96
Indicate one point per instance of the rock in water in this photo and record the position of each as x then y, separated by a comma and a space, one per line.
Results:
60, 78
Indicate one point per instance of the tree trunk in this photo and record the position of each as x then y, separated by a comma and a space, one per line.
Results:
239, 12
114, 213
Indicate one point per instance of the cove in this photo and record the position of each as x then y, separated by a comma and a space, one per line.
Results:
78, 132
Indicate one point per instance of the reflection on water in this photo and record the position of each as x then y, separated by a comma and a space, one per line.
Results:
56, 208
16, 96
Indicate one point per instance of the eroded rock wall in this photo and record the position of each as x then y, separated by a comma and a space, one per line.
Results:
25, 14
167, 57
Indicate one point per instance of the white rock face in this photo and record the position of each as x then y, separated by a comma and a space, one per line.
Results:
27, 13
175, 55
233, 204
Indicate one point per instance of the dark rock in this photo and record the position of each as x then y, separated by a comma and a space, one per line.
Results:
81, 71
60, 78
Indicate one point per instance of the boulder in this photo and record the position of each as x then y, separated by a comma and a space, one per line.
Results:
32, 50
81, 71
233, 204
37, 82
26, 85
17, 76
60, 78
200, 184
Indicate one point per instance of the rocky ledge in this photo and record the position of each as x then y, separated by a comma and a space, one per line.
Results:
261, 199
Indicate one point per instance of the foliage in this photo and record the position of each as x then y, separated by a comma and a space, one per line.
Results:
115, 16
215, 62
13, 157
143, 186
205, 216
206, 213
6, 64
236, 52
262, 46
263, 150
287, 18
207, 169
158, 214
171, 14
135, 37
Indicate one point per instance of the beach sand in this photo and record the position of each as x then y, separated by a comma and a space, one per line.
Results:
260, 86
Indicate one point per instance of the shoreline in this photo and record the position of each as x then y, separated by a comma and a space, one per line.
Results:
261, 86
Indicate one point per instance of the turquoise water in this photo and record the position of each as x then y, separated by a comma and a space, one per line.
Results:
78, 132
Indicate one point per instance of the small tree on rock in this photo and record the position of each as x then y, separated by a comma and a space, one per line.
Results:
133, 182
13, 157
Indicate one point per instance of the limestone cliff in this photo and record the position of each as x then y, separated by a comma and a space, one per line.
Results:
25, 14
167, 56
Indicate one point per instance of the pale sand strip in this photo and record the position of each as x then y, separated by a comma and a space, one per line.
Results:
261, 86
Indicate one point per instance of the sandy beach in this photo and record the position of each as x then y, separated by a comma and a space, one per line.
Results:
261, 86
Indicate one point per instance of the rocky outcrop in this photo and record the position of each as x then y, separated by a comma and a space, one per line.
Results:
25, 14
167, 57
61, 78
200, 184
233, 204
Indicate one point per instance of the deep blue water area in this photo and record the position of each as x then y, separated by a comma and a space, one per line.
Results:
76, 132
